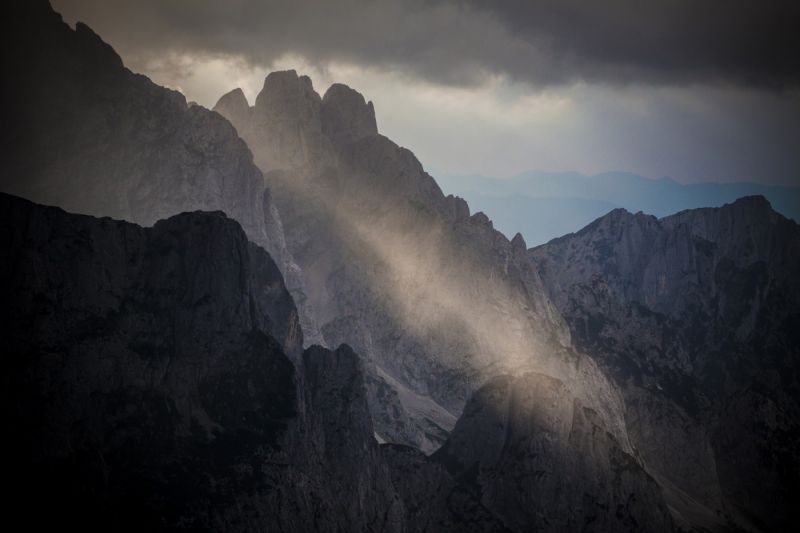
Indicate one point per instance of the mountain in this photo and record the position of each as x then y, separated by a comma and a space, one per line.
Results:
434, 298
640, 374
695, 316
87, 134
543, 206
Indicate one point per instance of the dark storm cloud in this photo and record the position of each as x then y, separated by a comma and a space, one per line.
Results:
739, 41
544, 42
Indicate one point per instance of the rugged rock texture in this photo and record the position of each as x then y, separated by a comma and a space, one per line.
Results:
234, 105
433, 500
90, 136
696, 317
543, 461
285, 123
346, 117
436, 300
144, 388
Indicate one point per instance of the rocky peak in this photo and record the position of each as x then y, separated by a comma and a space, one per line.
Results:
287, 96
235, 108
755, 202
481, 219
518, 243
286, 129
357, 209
458, 207
346, 116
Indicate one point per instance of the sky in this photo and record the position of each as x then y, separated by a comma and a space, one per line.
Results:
697, 90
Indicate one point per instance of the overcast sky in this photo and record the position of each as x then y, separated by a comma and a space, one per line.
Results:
692, 89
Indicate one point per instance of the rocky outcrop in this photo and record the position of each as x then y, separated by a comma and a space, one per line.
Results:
235, 108
695, 316
346, 117
543, 461
90, 136
285, 123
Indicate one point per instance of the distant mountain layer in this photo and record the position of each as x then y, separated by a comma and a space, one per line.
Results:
543, 206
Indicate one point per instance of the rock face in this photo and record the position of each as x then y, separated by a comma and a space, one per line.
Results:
346, 117
542, 461
90, 136
434, 299
147, 375
696, 317
234, 105
434, 500
153, 380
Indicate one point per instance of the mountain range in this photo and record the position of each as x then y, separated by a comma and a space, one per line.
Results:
270, 317
546, 205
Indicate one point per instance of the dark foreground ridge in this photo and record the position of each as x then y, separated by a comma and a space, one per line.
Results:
148, 384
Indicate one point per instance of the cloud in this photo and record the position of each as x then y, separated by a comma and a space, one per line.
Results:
502, 87
743, 42
541, 42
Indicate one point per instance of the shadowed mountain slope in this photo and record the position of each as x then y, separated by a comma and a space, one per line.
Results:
696, 316
153, 380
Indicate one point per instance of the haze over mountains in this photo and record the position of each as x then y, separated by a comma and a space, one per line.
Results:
546, 205
287, 325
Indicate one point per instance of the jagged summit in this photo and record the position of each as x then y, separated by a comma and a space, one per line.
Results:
614, 221
481, 219
346, 116
290, 125
286, 87
518, 242
234, 106
374, 237
285, 122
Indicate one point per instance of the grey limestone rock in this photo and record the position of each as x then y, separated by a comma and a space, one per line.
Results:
695, 316
346, 116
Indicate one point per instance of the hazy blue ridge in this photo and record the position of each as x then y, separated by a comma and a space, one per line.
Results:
546, 205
